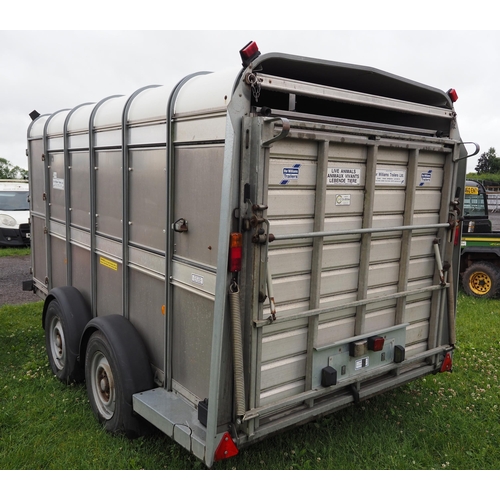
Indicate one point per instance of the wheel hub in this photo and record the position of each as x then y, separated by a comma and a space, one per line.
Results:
480, 283
103, 386
57, 343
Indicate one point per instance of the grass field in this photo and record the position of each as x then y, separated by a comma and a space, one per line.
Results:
446, 421
13, 251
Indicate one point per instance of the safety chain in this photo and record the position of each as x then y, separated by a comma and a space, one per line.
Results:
252, 80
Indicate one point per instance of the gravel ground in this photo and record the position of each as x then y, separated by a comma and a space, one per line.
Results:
13, 271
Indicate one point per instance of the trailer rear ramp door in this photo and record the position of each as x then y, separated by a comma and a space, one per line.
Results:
347, 230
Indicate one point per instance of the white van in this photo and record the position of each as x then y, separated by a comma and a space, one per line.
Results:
14, 213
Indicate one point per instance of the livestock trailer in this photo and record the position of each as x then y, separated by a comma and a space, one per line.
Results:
249, 250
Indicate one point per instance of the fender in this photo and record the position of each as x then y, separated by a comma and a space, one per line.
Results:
128, 349
73, 304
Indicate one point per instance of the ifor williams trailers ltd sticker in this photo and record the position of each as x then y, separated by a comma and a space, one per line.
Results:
290, 174
425, 177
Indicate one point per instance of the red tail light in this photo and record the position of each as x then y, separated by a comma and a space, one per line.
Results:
376, 343
453, 95
235, 252
226, 448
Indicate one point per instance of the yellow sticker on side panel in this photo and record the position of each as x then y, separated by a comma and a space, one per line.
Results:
108, 263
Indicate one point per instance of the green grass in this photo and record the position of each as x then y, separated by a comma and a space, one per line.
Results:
14, 251
444, 421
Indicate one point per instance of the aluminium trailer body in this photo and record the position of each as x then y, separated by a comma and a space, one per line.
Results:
249, 250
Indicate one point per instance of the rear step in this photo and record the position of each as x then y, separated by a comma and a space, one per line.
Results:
174, 416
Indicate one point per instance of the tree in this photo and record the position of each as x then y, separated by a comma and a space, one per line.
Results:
488, 163
9, 171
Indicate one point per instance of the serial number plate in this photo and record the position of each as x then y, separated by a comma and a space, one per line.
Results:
362, 363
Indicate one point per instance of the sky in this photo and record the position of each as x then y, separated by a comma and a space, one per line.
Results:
50, 70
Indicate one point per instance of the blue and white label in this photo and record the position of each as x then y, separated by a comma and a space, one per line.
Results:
290, 174
425, 177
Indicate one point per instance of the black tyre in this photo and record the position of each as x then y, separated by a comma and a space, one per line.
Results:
116, 367
481, 279
64, 320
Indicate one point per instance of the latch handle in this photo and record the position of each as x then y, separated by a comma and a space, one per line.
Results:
180, 225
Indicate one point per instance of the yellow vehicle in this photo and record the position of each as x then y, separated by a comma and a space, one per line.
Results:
480, 254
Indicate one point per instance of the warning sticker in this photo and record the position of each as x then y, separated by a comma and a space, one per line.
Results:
57, 183
390, 177
108, 263
343, 176
290, 174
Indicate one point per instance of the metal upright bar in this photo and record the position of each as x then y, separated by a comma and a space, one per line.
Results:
366, 238
317, 253
411, 181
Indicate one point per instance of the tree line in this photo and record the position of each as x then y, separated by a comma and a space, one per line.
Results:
488, 163
10, 171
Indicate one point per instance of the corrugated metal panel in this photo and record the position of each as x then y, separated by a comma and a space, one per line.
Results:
291, 200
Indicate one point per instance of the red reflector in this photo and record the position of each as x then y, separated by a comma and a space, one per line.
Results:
226, 448
235, 252
453, 95
376, 343
447, 363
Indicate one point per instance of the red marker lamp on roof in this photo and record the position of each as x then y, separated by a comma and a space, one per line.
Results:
248, 53
453, 95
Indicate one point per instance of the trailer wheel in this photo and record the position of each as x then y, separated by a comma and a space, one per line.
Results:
116, 367
481, 279
64, 318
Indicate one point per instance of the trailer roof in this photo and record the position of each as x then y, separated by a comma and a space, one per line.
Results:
214, 91
350, 77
